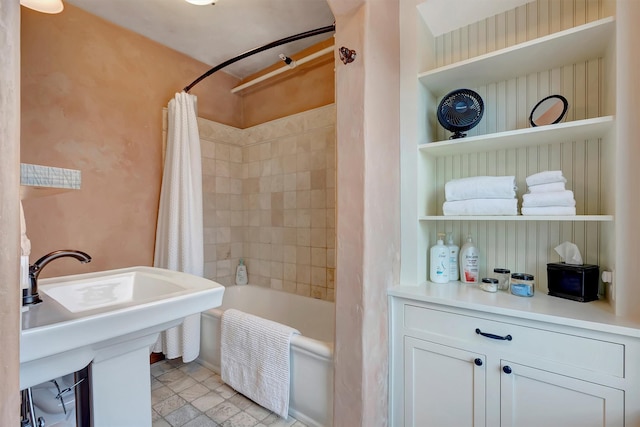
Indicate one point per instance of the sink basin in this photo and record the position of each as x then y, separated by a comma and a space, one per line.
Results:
116, 289
83, 317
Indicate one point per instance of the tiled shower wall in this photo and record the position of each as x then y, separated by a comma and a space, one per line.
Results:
269, 197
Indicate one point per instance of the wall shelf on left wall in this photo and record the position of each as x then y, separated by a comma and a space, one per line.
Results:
38, 180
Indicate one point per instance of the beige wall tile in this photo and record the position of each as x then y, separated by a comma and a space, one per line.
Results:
223, 152
223, 251
303, 274
273, 203
303, 255
319, 276
277, 253
277, 235
290, 236
289, 272
289, 253
318, 198
290, 218
277, 270
303, 199
303, 218
318, 292
290, 181
318, 218
318, 238
318, 257
303, 180
303, 289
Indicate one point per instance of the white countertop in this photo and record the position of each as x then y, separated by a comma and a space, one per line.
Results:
594, 315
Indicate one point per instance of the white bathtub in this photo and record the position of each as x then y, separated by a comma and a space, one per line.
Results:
311, 393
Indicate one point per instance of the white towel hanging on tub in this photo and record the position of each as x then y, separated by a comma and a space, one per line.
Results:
179, 234
255, 358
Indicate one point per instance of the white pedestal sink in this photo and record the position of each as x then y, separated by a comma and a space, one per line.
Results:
109, 320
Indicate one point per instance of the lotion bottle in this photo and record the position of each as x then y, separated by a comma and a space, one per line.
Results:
454, 251
439, 262
469, 262
241, 273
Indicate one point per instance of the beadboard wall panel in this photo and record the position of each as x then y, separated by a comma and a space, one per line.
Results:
520, 245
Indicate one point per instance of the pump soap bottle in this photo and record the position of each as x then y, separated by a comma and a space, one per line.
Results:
439, 262
469, 262
241, 273
453, 258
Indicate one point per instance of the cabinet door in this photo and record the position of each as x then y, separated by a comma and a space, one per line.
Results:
444, 386
532, 397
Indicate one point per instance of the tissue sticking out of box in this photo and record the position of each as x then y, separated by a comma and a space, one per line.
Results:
569, 253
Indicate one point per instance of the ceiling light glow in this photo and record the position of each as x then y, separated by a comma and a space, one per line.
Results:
201, 2
44, 6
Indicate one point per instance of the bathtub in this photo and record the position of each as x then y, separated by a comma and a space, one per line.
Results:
311, 392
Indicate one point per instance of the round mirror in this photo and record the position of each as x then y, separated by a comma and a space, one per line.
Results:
549, 110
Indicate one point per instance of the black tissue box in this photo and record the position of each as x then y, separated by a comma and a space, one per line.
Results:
575, 282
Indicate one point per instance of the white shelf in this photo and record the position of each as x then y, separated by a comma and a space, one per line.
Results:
564, 47
578, 130
574, 218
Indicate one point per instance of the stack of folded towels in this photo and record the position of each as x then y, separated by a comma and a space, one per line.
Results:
547, 195
481, 195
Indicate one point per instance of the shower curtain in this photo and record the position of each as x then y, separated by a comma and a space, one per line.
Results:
179, 233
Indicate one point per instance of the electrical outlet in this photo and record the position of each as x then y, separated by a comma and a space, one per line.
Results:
608, 280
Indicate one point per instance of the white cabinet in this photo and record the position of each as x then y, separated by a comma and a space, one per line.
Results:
469, 367
444, 386
531, 397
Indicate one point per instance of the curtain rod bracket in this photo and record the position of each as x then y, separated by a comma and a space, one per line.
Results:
347, 55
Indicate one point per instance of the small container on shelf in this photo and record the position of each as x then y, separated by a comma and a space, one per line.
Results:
489, 284
522, 284
504, 277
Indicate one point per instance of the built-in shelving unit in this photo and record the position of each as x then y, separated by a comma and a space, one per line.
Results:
513, 65
513, 55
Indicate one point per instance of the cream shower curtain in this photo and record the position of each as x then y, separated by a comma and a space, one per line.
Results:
179, 233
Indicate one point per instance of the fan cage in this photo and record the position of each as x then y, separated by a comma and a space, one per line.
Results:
460, 111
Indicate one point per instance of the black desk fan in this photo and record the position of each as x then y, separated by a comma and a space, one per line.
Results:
460, 111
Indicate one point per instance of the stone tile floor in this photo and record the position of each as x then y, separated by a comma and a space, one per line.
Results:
190, 395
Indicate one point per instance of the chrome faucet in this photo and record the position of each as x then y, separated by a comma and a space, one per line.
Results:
30, 295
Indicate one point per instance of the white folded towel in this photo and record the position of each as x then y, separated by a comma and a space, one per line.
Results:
481, 187
547, 188
549, 210
255, 358
545, 177
481, 207
555, 198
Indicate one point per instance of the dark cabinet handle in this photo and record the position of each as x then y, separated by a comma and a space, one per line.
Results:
507, 369
493, 336
478, 361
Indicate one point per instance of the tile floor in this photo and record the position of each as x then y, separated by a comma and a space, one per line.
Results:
190, 395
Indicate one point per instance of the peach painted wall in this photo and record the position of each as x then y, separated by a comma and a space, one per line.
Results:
92, 99
9, 213
307, 86
368, 194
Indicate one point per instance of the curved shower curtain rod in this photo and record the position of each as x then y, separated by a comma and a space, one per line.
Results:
259, 49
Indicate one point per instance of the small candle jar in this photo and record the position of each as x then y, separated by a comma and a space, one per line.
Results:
504, 276
522, 284
489, 284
